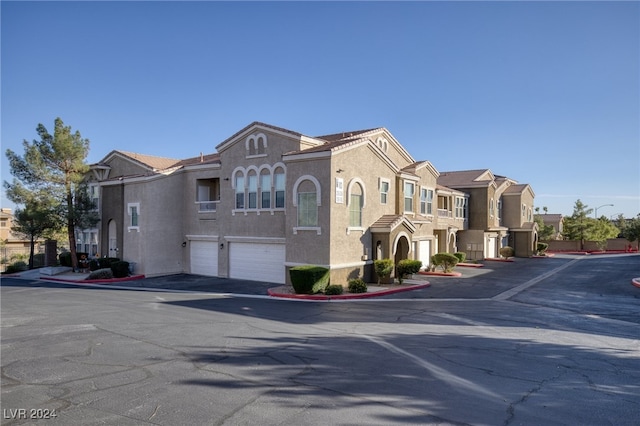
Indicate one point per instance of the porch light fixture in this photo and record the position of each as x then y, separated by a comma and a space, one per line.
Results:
221, 246
184, 244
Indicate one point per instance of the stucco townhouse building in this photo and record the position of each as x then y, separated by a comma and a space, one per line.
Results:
270, 198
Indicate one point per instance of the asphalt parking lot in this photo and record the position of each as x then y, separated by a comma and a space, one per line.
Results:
537, 341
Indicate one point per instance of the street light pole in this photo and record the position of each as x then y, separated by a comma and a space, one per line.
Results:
604, 205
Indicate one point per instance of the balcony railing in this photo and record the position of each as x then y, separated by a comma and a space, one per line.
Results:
207, 206
445, 213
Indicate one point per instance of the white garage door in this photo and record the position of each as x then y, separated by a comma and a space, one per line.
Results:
257, 262
204, 258
492, 245
424, 248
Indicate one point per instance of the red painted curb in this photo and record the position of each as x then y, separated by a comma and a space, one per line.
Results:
497, 259
271, 292
441, 274
636, 282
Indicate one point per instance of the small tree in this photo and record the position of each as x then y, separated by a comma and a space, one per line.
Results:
33, 222
383, 268
630, 229
506, 252
407, 267
446, 261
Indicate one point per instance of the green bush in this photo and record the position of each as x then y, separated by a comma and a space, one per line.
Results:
357, 286
65, 258
309, 279
101, 274
542, 247
408, 267
506, 252
94, 264
105, 262
333, 290
461, 256
18, 266
446, 261
120, 269
383, 268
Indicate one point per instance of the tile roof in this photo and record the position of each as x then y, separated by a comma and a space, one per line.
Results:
462, 178
152, 161
342, 136
201, 159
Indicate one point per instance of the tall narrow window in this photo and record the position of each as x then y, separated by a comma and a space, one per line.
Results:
384, 191
279, 189
408, 196
429, 201
307, 209
265, 191
239, 192
134, 216
491, 208
252, 186
355, 210
423, 201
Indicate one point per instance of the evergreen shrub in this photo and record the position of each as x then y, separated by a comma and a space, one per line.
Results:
101, 274
333, 290
120, 269
309, 279
446, 261
506, 252
461, 256
408, 267
357, 286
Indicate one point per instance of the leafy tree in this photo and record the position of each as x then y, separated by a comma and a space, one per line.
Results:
579, 226
545, 232
33, 222
56, 165
630, 229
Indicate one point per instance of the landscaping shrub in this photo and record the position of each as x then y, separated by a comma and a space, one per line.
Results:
18, 266
101, 274
542, 247
408, 267
357, 286
333, 290
94, 264
65, 258
506, 252
461, 256
120, 269
446, 261
105, 262
309, 279
383, 268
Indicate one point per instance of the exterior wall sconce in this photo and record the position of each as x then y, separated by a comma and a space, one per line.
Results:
184, 244
226, 178
221, 246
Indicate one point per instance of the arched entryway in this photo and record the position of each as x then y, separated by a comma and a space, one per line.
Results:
401, 248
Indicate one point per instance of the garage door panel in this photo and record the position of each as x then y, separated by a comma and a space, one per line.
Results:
204, 258
425, 252
257, 262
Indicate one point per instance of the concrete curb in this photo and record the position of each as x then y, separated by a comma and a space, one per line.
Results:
103, 281
273, 293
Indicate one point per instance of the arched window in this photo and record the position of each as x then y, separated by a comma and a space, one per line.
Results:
252, 190
279, 187
265, 189
256, 145
307, 198
355, 202
238, 183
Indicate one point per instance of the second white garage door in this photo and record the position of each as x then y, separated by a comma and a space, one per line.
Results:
257, 262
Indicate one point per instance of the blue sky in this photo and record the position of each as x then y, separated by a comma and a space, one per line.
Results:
546, 93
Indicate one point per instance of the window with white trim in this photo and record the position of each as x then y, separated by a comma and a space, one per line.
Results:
265, 191
426, 201
252, 189
491, 209
133, 211
461, 207
409, 191
239, 185
384, 190
355, 206
307, 209
279, 182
